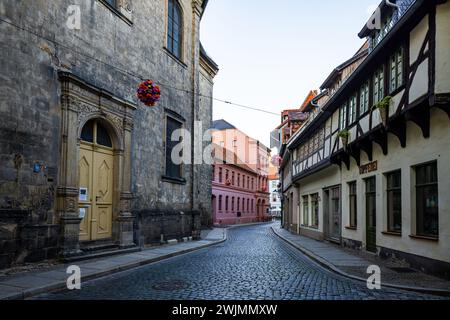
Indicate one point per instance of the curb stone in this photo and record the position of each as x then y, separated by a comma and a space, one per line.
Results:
327, 265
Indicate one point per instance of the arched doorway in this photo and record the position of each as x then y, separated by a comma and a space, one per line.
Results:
96, 181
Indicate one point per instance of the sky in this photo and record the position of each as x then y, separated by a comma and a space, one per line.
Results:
272, 53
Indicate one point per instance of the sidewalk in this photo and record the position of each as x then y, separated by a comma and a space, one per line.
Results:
24, 285
349, 263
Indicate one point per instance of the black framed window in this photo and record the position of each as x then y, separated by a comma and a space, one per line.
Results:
173, 170
227, 203
353, 220
174, 28
343, 117
220, 175
364, 98
239, 180
352, 110
220, 203
378, 85
315, 210
394, 201
396, 70
306, 210
232, 204
427, 200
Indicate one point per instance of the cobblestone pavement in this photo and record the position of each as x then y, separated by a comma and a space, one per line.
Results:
252, 265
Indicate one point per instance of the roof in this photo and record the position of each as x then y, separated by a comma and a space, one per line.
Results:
332, 77
361, 72
208, 59
222, 125
310, 96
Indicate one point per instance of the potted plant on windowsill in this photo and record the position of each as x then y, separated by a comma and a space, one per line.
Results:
344, 135
383, 106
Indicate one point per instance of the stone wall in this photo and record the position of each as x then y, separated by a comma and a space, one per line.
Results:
154, 226
30, 108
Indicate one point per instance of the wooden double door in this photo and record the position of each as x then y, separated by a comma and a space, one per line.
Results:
96, 181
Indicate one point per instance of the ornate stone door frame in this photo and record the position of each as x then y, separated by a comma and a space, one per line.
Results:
81, 102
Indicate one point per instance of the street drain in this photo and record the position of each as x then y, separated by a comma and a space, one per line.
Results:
172, 285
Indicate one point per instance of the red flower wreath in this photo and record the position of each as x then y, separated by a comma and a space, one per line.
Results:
149, 93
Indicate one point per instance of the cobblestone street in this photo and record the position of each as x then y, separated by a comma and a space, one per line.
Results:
252, 265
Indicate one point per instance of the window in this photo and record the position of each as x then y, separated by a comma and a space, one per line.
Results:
243, 204
248, 205
238, 204
364, 99
220, 175
343, 117
227, 199
174, 28
232, 178
94, 132
394, 201
239, 180
352, 110
427, 210
396, 79
172, 170
232, 204
227, 175
112, 3
353, 223
220, 203
315, 210
305, 210
253, 205
378, 85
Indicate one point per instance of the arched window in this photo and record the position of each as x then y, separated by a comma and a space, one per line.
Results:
174, 29
94, 132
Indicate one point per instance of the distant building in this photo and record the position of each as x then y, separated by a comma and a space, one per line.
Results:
275, 198
291, 121
240, 180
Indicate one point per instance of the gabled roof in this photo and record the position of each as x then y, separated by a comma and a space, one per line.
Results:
222, 125
337, 71
310, 96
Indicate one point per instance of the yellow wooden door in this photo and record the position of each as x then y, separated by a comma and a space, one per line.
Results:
86, 169
96, 188
101, 223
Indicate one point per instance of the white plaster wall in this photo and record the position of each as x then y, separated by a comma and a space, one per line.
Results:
418, 151
417, 37
419, 86
395, 102
443, 48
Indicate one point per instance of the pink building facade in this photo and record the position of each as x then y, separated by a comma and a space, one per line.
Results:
240, 188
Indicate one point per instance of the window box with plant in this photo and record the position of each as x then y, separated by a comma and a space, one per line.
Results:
383, 107
344, 135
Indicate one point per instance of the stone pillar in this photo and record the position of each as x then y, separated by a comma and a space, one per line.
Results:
126, 218
67, 192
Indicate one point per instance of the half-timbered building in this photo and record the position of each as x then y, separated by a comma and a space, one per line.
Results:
371, 165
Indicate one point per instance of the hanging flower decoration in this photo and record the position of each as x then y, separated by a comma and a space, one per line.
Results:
149, 93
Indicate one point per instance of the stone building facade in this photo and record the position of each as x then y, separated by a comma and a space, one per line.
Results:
84, 163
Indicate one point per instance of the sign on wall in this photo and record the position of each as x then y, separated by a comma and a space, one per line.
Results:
367, 168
